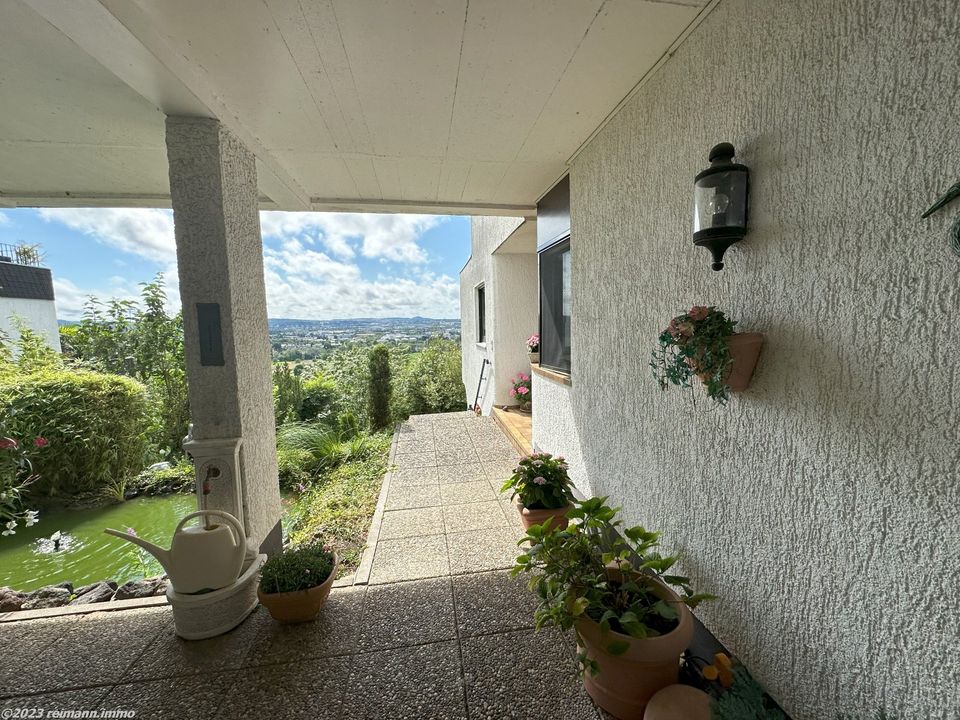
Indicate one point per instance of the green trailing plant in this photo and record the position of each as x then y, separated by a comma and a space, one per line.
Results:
296, 569
381, 388
572, 577
541, 482
695, 344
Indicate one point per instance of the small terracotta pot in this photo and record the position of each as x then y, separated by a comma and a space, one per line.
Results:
627, 682
534, 357
300, 605
744, 352
529, 517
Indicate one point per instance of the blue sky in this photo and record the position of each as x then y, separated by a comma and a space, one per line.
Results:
317, 265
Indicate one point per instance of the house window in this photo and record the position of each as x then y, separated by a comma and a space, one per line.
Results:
481, 315
555, 295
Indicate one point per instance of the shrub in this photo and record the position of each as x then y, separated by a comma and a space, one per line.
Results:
176, 478
287, 393
296, 569
319, 398
380, 387
433, 381
294, 466
96, 425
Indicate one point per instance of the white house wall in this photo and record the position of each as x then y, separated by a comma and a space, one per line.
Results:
486, 233
555, 429
515, 295
38, 315
823, 504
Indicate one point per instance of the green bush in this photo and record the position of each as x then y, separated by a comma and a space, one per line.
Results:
177, 478
319, 398
96, 425
294, 466
433, 380
287, 393
380, 388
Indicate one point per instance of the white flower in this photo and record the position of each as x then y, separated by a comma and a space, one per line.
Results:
31, 518
12, 525
8, 532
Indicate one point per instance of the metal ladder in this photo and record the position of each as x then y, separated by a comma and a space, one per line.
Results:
476, 401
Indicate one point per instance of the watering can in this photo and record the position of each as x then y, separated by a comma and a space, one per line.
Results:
202, 557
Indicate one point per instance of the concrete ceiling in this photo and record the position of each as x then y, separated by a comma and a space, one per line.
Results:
377, 105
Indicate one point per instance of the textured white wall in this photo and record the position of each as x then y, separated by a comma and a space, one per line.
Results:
38, 315
486, 233
823, 505
555, 429
516, 295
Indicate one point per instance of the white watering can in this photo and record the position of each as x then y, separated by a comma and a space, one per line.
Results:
202, 557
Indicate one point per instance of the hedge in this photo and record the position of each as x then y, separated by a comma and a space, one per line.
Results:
96, 425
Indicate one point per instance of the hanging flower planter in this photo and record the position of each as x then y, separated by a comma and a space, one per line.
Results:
702, 343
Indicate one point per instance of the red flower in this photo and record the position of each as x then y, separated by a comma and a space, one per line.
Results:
698, 312
7, 443
41, 442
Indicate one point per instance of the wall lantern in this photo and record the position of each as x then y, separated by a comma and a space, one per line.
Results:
720, 203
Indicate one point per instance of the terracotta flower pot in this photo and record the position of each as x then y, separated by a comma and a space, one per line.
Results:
529, 517
300, 605
626, 682
744, 353
534, 357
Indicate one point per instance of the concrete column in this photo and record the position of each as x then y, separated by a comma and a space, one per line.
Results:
213, 189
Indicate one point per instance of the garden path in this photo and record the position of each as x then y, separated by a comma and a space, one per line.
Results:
434, 628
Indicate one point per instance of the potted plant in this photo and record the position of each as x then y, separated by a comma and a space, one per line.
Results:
631, 626
521, 391
533, 348
542, 490
295, 584
702, 343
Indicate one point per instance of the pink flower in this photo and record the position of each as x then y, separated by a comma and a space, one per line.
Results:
523, 390
513, 392
698, 312
40, 442
131, 531
523, 377
540, 480
7, 443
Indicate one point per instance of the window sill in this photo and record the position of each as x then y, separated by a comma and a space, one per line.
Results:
553, 375
482, 346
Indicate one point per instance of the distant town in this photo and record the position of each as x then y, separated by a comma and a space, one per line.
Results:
317, 339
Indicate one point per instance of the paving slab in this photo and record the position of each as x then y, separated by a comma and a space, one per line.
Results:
473, 516
413, 477
334, 632
479, 550
415, 459
409, 559
466, 492
411, 523
418, 683
197, 696
493, 602
45, 703
22, 642
418, 496
407, 613
458, 473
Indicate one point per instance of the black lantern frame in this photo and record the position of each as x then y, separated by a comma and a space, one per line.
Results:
721, 203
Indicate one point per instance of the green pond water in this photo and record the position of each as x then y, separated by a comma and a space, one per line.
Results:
28, 559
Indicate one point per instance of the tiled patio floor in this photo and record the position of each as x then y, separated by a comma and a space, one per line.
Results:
441, 631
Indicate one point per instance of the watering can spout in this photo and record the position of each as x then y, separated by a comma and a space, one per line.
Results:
162, 556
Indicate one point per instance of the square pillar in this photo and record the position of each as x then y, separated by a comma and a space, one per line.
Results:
213, 189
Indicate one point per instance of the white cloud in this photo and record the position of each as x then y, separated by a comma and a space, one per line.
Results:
392, 237
146, 232
71, 298
4, 218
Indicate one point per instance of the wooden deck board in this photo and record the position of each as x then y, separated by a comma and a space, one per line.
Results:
517, 426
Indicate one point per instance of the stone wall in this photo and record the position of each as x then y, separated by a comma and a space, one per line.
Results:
823, 504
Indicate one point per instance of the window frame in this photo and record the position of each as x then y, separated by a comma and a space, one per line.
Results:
559, 247
480, 301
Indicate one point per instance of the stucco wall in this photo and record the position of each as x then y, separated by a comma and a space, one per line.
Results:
38, 315
822, 505
515, 293
555, 430
486, 233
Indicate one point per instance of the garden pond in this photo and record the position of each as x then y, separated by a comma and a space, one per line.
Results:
31, 558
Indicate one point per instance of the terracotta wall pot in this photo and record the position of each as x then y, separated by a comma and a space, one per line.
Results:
534, 357
744, 351
300, 605
627, 682
530, 517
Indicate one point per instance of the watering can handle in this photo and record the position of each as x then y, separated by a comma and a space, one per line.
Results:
238, 535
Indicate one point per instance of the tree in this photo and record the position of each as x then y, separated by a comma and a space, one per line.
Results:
380, 389
433, 379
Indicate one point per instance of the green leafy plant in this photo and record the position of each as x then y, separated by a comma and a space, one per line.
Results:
433, 379
176, 478
575, 576
16, 474
296, 569
319, 398
695, 344
381, 388
293, 467
287, 393
541, 481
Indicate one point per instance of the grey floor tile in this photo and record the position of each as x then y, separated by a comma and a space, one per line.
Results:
471, 472
511, 513
413, 477
306, 690
415, 459
495, 454
22, 641
169, 655
493, 602
457, 457
466, 492
409, 559
407, 613
97, 650
83, 699
499, 469
419, 445
411, 523
479, 550
197, 696
418, 683
403, 498
473, 516
334, 632
534, 676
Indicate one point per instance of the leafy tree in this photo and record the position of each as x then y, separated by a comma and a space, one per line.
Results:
319, 397
433, 381
380, 387
287, 393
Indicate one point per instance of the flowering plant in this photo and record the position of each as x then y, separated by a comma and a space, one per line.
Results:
695, 343
533, 343
16, 473
541, 481
521, 389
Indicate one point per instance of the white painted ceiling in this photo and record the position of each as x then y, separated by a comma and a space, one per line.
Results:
435, 105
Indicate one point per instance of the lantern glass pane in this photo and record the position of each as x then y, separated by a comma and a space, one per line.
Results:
720, 200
